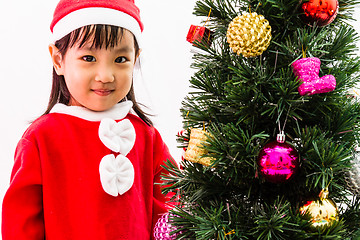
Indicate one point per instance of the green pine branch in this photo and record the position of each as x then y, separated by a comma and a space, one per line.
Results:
243, 103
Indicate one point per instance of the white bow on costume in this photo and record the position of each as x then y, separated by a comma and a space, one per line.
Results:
118, 137
117, 173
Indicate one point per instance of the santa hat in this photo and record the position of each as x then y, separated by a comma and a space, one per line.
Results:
70, 15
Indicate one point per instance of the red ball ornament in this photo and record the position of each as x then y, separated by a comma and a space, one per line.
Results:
278, 162
321, 12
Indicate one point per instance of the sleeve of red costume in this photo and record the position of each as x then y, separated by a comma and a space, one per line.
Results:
22, 210
161, 155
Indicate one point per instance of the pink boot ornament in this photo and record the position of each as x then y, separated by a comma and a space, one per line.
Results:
307, 70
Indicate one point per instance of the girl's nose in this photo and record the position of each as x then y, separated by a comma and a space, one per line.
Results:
104, 75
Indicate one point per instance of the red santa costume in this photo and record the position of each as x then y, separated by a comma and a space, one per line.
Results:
80, 174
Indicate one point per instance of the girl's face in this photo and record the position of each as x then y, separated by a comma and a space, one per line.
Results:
97, 78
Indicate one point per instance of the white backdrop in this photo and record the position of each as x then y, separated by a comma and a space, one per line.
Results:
25, 68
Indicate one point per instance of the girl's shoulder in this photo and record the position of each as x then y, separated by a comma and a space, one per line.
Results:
149, 132
44, 124
140, 125
135, 120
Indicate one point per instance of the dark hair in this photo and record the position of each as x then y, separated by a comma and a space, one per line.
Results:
102, 36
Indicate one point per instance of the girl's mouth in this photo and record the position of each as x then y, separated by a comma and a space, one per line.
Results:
102, 92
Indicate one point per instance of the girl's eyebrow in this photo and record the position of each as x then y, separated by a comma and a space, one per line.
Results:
126, 49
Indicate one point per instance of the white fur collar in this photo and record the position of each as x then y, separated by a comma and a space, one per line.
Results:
119, 111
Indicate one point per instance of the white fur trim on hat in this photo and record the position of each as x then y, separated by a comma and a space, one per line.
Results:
95, 15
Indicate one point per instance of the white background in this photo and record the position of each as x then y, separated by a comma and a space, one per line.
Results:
25, 68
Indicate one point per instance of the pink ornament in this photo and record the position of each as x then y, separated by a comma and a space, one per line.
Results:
278, 162
163, 228
307, 70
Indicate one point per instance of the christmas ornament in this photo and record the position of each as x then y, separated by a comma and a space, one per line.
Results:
353, 93
353, 177
163, 229
321, 12
307, 70
278, 161
322, 211
195, 150
200, 34
249, 34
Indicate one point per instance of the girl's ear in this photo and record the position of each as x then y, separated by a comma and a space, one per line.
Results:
138, 55
57, 59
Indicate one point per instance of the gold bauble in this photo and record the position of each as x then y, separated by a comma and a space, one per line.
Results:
323, 211
249, 34
195, 151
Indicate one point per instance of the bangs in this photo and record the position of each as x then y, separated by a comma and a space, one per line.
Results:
97, 36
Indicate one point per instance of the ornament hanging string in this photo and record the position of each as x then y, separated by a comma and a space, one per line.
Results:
203, 26
281, 135
204, 127
303, 52
276, 59
259, 4
287, 114
228, 210
327, 186
356, 92
257, 7
231, 232
207, 21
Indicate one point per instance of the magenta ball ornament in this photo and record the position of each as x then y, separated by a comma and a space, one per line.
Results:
278, 162
163, 229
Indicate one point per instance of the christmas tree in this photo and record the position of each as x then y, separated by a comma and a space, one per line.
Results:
271, 125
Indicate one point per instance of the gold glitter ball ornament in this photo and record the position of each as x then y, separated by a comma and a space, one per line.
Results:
195, 151
249, 34
322, 211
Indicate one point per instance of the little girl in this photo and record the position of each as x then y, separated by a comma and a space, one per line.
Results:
87, 168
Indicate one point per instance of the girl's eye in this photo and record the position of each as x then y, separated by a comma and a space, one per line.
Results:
89, 58
120, 60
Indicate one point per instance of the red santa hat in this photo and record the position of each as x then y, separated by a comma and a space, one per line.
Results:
70, 15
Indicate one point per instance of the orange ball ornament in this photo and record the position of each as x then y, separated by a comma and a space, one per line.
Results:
321, 12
